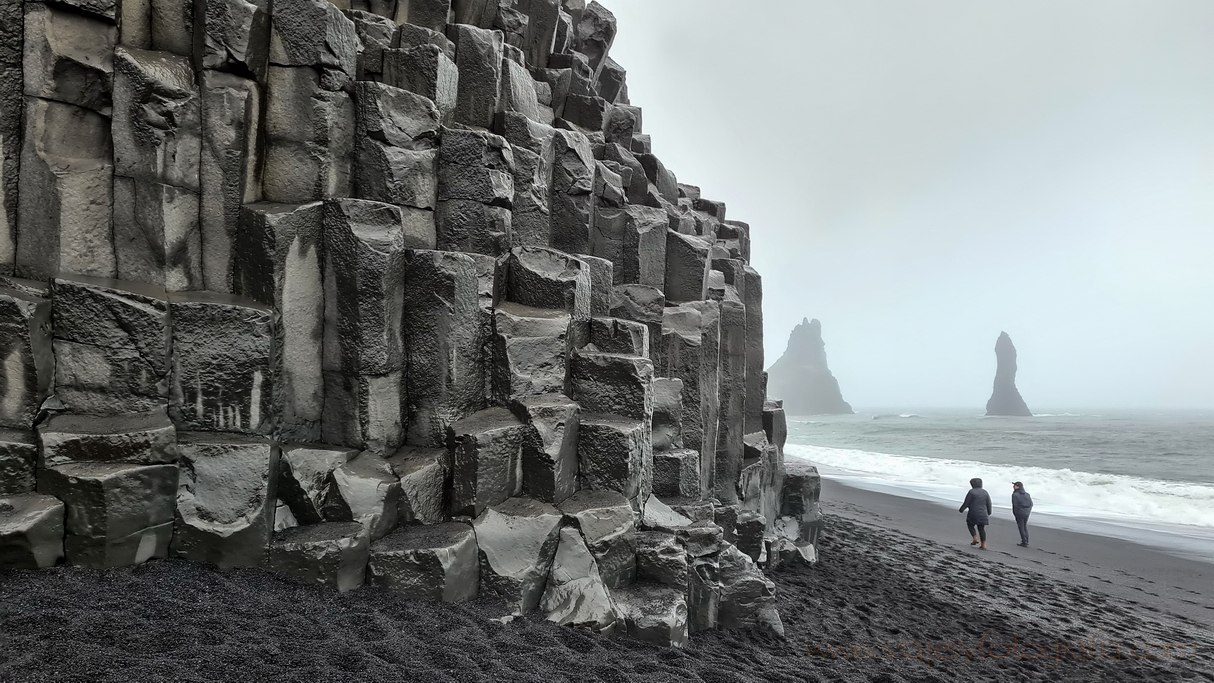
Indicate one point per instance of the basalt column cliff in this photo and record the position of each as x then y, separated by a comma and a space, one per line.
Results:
1005, 397
390, 291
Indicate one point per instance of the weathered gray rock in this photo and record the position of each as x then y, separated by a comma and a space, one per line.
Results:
747, 597
594, 34
751, 528
800, 522
443, 358
676, 473
228, 35
570, 193
643, 304
364, 286
687, 267
576, 594
229, 171
428, 562
431, 14
731, 423
479, 54
277, 261
427, 70
423, 475
222, 369
608, 526
304, 479
518, 91
31, 531
68, 57
65, 203
111, 345
558, 83
411, 35
530, 347
18, 457
654, 614
634, 239
775, 423
331, 554
477, 166
668, 415
365, 490
225, 498
28, 364
658, 516
613, 384
396, 147
309, 136
615, 453
118, 514
139, 438
690, 341
517, 540
157, 238
364, 411
660, 177
487, 453
375, 34
726, 517
661, 558
703, 593
314, 33
530, 221
540, 33
612, 84
12, 87
621, 123
470, 226
547, 279
161, 143
616, 336
587, 113
549, 456
601, 284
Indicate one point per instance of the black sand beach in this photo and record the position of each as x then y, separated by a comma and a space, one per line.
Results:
882, 605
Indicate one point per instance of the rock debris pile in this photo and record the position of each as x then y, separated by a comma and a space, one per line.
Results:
388, 291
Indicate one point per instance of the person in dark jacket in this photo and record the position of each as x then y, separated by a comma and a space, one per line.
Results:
1022, 505
978, 502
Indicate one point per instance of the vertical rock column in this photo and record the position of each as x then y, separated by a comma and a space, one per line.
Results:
65, 190
11, 111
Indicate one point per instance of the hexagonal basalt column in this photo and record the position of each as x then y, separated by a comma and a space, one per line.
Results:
18, 456
423, 475
28, 364
331, 554
608, 525
31, 531
118, 514
517, 541
550, 459
575, 594
225, 498
305, 478
487, 451
428, 562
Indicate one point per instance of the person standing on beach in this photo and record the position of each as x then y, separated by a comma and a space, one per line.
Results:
978, 502
1022, 505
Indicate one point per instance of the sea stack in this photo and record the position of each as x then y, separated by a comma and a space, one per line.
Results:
802, 378
1005, 399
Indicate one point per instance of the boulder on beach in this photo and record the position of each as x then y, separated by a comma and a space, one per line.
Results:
1005, 398
802, 377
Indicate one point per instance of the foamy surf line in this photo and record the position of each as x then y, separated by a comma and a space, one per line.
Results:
1176, 515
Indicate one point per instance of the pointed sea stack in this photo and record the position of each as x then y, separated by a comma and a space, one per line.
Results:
802, 378
1005, 399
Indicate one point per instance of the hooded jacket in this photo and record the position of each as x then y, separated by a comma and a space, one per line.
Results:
1022, 503
978, 501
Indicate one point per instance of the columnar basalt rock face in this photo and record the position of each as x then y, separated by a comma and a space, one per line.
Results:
384, 291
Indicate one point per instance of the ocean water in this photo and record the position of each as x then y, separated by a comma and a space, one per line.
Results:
1143, 477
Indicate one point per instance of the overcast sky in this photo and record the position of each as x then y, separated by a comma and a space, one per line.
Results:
922, 174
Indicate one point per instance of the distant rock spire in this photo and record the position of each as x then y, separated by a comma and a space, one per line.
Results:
1005, 398
802, 378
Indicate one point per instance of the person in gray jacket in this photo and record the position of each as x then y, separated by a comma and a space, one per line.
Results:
978, 502
1022, 505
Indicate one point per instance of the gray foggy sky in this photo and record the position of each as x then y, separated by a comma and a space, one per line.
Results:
921, 174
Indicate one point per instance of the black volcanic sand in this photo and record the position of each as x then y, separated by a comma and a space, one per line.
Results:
880, 606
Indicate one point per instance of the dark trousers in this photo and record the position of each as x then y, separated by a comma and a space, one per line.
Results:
1022, 523
981, 530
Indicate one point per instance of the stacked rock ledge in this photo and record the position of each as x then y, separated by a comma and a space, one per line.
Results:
397, 294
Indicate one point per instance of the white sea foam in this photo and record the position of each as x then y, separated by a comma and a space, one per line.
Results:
1063, 492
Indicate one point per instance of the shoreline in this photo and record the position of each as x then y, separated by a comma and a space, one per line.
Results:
1130, 571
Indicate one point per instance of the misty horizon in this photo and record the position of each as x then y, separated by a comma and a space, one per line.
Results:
924, 175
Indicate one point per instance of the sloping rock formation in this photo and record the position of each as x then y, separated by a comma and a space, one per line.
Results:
1005, 398
391, 292
802, 378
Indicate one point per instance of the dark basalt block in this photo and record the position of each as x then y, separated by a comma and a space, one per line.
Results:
304, 478
423, 476
139, 438
365, 490
31, 531
486, 456
25, 344
428, 562
331, 554
654, 613
18, 457
550, 442
575, 594
517, 540
615, 454
608, 526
